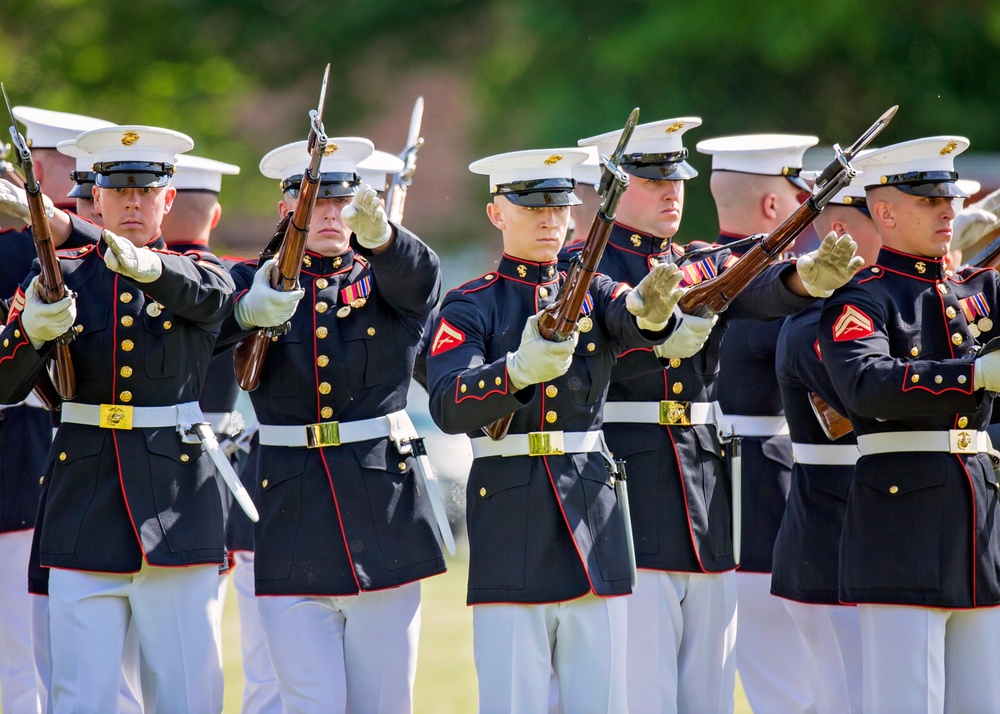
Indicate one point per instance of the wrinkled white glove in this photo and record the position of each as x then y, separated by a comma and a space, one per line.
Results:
44, 322
263, 306
830, 266
986, 372
655, 297
366, 218
14, 202
538, 359
973, 222
688, 337
122, 256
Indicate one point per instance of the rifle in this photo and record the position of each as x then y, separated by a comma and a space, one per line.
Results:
989, 257
713, 296
248, 356
558, 321
396, 195
834, 424
50, 280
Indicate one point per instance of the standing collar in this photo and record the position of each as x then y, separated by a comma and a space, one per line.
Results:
526, 271
636, 241
913, 266
316, 264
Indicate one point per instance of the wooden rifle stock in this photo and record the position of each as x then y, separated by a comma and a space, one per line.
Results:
713, 296
248, 355
50, 280
558, 321
834, 424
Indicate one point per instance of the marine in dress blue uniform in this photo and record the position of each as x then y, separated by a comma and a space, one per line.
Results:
346, 530
920, 554
548, 552
26, 432
128, 513
679, 485
756, 185
806, 549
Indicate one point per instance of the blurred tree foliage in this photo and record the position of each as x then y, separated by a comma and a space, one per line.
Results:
238, 75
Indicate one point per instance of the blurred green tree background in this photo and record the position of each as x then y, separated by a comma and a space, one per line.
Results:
240, 75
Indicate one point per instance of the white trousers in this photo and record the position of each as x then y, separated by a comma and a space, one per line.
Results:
260, 686
831, 638
769, 653
171, 608
680, 643
41, 650
919, 660
17, 670
342, 655
583, 641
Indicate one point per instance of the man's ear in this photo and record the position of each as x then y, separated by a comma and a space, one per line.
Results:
216, 215
883, 213
168, 201
495, 215
769, 205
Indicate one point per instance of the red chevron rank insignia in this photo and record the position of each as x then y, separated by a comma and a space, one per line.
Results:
852, 325
446, 337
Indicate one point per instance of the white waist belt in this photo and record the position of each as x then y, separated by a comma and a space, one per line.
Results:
332, 433
124, 416
667, 413
953, 441
765, 426
540, 443
826, 454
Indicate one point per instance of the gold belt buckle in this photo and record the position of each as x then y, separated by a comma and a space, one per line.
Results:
675, 413
116, 416
324, 434
962, 441
546, 443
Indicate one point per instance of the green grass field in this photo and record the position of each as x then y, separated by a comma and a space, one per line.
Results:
446, 675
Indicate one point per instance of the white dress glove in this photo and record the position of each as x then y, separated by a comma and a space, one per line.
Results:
538, 359
830, 266
122, 256
975, 221
14, 202
986, 372
44, 322
688, 337
263, 306
655, 297
366, 218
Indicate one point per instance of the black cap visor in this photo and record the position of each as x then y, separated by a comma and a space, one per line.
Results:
930, 184
670, 166
331, 185
133, 174
84, 186
539, 193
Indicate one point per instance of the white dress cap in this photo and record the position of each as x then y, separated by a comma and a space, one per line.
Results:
45, 129
655, 150
763, 154
376, 169
194, 173
920, 167
969, 186
535, 177
590, 171
134, 142
338, 167
133, 155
